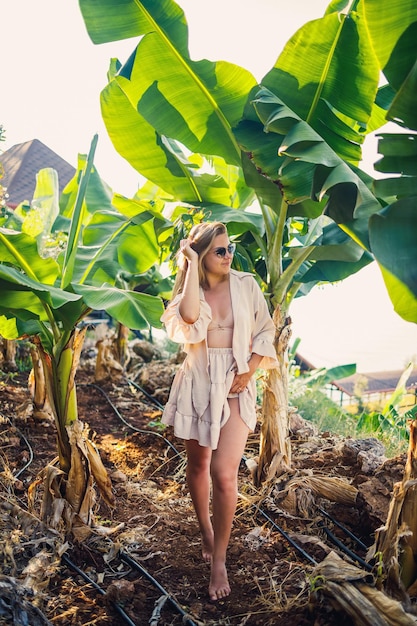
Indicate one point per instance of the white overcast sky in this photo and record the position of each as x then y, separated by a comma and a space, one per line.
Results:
52, 75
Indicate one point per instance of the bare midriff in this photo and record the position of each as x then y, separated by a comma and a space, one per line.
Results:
220, 337
220, 333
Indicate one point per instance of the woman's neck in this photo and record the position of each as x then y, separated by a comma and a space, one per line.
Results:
214, 281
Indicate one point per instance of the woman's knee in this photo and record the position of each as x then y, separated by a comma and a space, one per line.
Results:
198, 457
198, 467
224, 478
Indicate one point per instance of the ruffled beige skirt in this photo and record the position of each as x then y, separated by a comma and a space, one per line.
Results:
180, 411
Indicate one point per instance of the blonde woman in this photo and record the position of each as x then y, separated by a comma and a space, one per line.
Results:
221, 317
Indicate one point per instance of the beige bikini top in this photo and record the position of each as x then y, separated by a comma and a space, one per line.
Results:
224, 324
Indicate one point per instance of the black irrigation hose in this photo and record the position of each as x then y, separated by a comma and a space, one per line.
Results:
345, 530
294, 544
145, 393
31, 455
92, 582
126, 423
345, 549
130, 561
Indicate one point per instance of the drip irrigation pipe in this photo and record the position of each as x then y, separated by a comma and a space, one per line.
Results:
145, 393
130, 561
97, 587
286, 536
31, 455
345, 530
344, 548
122, 419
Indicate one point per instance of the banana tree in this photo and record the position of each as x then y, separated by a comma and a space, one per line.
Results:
50, 281
291, 144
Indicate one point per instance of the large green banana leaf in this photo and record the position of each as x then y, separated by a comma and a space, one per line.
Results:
311, 161
322, 77
318, 100
399, 150
393, 240
161, 95
392, 29
134, 310
111, 240
153, 156
111, 21
98, 195
393, 231
177, 98
21, 249
27, 299
349, 195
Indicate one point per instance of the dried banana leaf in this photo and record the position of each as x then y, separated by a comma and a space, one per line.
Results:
100, 473
297, 495
352, 591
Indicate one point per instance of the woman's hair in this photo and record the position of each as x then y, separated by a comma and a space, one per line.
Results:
201, 238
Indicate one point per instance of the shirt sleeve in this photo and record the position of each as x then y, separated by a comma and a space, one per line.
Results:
264, 331
179, 330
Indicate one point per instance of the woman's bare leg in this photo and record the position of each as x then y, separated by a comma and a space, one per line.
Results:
198, 481
224, 471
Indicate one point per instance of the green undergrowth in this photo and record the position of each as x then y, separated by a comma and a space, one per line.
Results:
315, 406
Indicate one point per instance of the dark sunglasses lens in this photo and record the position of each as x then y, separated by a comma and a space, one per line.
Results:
222, 251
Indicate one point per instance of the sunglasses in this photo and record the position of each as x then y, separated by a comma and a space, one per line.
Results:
221, 252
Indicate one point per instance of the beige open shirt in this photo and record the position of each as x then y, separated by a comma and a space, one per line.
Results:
253, 332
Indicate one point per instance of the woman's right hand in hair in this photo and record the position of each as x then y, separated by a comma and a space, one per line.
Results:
187, 250
190, 300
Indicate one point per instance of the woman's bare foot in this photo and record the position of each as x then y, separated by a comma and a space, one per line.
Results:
207, 541
219, 587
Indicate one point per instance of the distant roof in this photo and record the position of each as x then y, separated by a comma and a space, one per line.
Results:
303, 363
22, 162
376, 382
371, 382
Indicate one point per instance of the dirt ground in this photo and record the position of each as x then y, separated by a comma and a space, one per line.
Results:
153, 522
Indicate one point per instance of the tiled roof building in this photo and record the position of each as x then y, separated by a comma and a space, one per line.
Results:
370, 386
375, 382
22, 162
375, 387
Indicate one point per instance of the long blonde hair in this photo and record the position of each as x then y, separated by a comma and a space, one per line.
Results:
201, 238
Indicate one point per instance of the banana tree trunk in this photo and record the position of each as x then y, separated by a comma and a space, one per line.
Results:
37, 388
8, 354
59, 371
122, 345
68, 489
275, 445
396, 541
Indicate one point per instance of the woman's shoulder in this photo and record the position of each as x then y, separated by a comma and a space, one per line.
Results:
246, 280
241, 275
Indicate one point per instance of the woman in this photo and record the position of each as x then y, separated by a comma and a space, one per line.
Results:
221, 317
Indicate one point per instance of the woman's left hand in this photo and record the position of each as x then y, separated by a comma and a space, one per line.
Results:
240, 382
